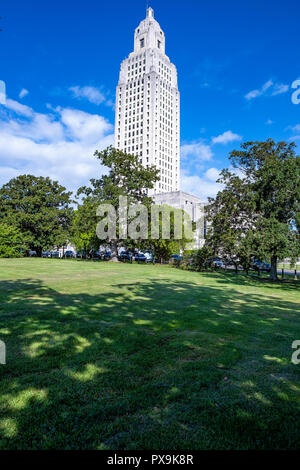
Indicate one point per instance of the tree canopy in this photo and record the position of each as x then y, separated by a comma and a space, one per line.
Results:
257, 213
12, 242
126, 177
39, 208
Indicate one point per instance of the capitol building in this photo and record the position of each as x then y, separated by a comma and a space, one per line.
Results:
147, 120
148, 105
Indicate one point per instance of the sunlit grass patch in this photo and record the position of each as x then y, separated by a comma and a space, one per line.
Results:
106, 356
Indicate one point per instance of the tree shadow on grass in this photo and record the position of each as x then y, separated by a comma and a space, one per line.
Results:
149, 365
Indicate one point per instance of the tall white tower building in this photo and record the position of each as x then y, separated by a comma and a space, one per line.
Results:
147, 120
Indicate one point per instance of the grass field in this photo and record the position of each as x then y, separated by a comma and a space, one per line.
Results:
108, 356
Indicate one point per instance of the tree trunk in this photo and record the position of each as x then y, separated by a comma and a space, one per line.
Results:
114, 248
273, 273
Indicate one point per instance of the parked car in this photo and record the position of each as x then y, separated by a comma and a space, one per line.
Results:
32, 253
217, 263
149, 257
46, 254
214, 263
69, 254
261, 266
125, 256
144, 258
176, 258
106, 256
55, 254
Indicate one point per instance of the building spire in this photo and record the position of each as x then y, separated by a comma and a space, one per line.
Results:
150, 11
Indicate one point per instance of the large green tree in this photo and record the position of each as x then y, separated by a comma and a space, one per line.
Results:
39, 208
126, 177
258, 211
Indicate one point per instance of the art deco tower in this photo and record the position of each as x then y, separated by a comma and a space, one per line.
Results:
148, 105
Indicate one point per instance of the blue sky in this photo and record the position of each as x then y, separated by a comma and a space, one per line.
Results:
60, 61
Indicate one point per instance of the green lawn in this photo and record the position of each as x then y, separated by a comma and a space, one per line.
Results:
108, 356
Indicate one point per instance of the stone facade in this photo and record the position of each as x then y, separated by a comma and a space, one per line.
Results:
192, 205
147, 122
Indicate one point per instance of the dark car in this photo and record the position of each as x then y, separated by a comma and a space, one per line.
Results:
176, 258
106, 256
214, 263
261, 266
46, 254
141, 258
121, 255
125, 256
55, 254
69, 254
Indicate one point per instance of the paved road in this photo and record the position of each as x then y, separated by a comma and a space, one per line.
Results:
289, 271
279, 271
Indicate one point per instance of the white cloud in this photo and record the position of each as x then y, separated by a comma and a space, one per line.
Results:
269, 122
196, 150
274, 89
2, 92
41, 127
226, 137
295, 128
110, 104
90, 93
279, 88
255, 93
19, 108
202, 187
84, 126
60, 144
212, 174
23, 93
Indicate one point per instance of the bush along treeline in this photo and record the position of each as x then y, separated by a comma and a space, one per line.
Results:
255, 216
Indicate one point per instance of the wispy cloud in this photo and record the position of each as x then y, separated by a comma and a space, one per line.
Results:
19, 108
90, 93
295, 128
296, 132
280, 88
269, 88
198, 151
23, 93
226, 138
